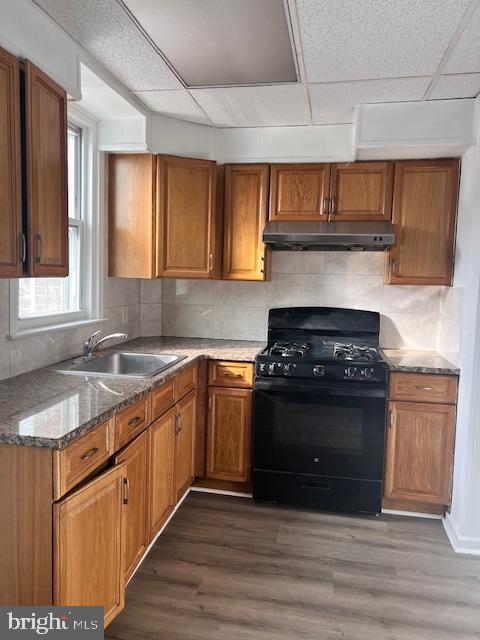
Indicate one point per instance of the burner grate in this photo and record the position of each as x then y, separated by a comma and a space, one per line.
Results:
354, 352
290, 349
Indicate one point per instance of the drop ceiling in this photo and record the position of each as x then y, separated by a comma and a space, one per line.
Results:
251, 63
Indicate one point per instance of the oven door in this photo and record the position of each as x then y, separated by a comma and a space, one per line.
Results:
320, 428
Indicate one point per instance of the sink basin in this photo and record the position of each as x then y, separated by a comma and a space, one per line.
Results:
120, 364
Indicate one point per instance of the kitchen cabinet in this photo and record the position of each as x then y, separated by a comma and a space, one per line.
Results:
88, 563
162, 436
229, 434
136, 532
361, 191
424, 217
46, 174
245, 257
299, 191
11, 264
185, 422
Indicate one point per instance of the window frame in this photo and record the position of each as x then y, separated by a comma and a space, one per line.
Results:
88, 224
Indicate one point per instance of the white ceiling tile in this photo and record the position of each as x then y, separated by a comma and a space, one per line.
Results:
176, 104
457, 86
104, 29
279, 105
334, 103
465, 57
363, 39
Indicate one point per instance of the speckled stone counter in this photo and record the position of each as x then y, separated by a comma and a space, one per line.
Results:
411, 361
44, 408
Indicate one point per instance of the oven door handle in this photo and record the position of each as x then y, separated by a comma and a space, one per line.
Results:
321, 389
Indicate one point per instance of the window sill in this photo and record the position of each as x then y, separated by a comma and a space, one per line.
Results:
62, 326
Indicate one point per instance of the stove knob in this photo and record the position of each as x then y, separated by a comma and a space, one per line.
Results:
350, 372
318, 370
271, 368
262, 367
367, 373
288, 369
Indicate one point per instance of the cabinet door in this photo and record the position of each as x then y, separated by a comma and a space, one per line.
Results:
184, 443
161, 469
420, 452
361, 191
229, 434
131, 215
10, 169
135, 521
46, 153
246, 192
299, 191
186, 217
424, 215
88, 545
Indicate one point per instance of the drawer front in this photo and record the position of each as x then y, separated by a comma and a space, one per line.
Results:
79, 459
163, 399
423, 387
185, 382
131, 422
230, 374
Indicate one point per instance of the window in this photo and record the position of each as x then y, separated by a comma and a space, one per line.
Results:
38, 303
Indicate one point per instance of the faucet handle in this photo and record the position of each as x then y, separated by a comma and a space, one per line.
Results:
91, 340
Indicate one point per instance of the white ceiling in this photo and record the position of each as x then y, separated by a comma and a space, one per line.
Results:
349, 52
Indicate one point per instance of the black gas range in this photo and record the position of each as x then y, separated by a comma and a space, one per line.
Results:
320, 397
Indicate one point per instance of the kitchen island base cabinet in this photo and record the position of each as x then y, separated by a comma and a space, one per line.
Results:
88, 562
184, 443
162, 434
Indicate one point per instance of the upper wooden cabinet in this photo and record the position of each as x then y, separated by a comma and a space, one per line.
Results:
245, 256
10, 168
132, 185
186, 218
361, 191
46, 160
299, 191
424, 216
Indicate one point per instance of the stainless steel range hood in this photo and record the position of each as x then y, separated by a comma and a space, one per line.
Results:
328, 236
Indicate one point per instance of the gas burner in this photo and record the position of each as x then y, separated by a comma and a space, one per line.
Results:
290, 349
354, 352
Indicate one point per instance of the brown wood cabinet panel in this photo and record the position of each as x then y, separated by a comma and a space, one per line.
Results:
132, 186
245, 256
186, 217
163, 399
230, 374
299, 191
185, 381
419, 460
184, 443
361, 191
424, 215
162, 434
132, 421
10, 168
423, 387
229, 434
46, 141
136, 530
88, 545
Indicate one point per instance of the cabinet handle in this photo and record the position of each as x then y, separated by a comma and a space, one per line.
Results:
178, 428
210, 262
23, 247
232, 375
126, 490
209, 403
38, 255
325, 206
89, 453
134, 421
393, 419
420, 388
262, 264
332, 205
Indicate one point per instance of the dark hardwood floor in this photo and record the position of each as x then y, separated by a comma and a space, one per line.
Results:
228, 569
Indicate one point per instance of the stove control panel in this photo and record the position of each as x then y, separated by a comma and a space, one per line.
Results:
277, 368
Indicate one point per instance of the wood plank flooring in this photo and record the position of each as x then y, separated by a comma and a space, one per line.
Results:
228, 569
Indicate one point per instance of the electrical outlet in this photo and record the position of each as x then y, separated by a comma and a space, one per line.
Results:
124, 315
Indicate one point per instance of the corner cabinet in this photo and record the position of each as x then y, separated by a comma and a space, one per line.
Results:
424, 217
245, 257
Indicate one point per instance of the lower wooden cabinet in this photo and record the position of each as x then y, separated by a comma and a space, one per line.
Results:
184, 443
420, 444
135, 517
229, 434
88, 554
161, 469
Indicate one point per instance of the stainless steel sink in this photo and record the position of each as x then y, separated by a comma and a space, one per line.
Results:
120, 364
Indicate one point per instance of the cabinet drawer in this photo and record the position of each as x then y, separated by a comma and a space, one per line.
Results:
131, 422
162, 399
230, 374
79, 459
185, 382
423, 387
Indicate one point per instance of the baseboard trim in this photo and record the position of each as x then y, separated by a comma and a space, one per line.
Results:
413, 514
222, 492
460, 544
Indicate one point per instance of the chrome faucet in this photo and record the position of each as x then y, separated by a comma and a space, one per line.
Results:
91, 343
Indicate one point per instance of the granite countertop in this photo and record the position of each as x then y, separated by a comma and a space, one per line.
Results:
412, 361
45, 408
